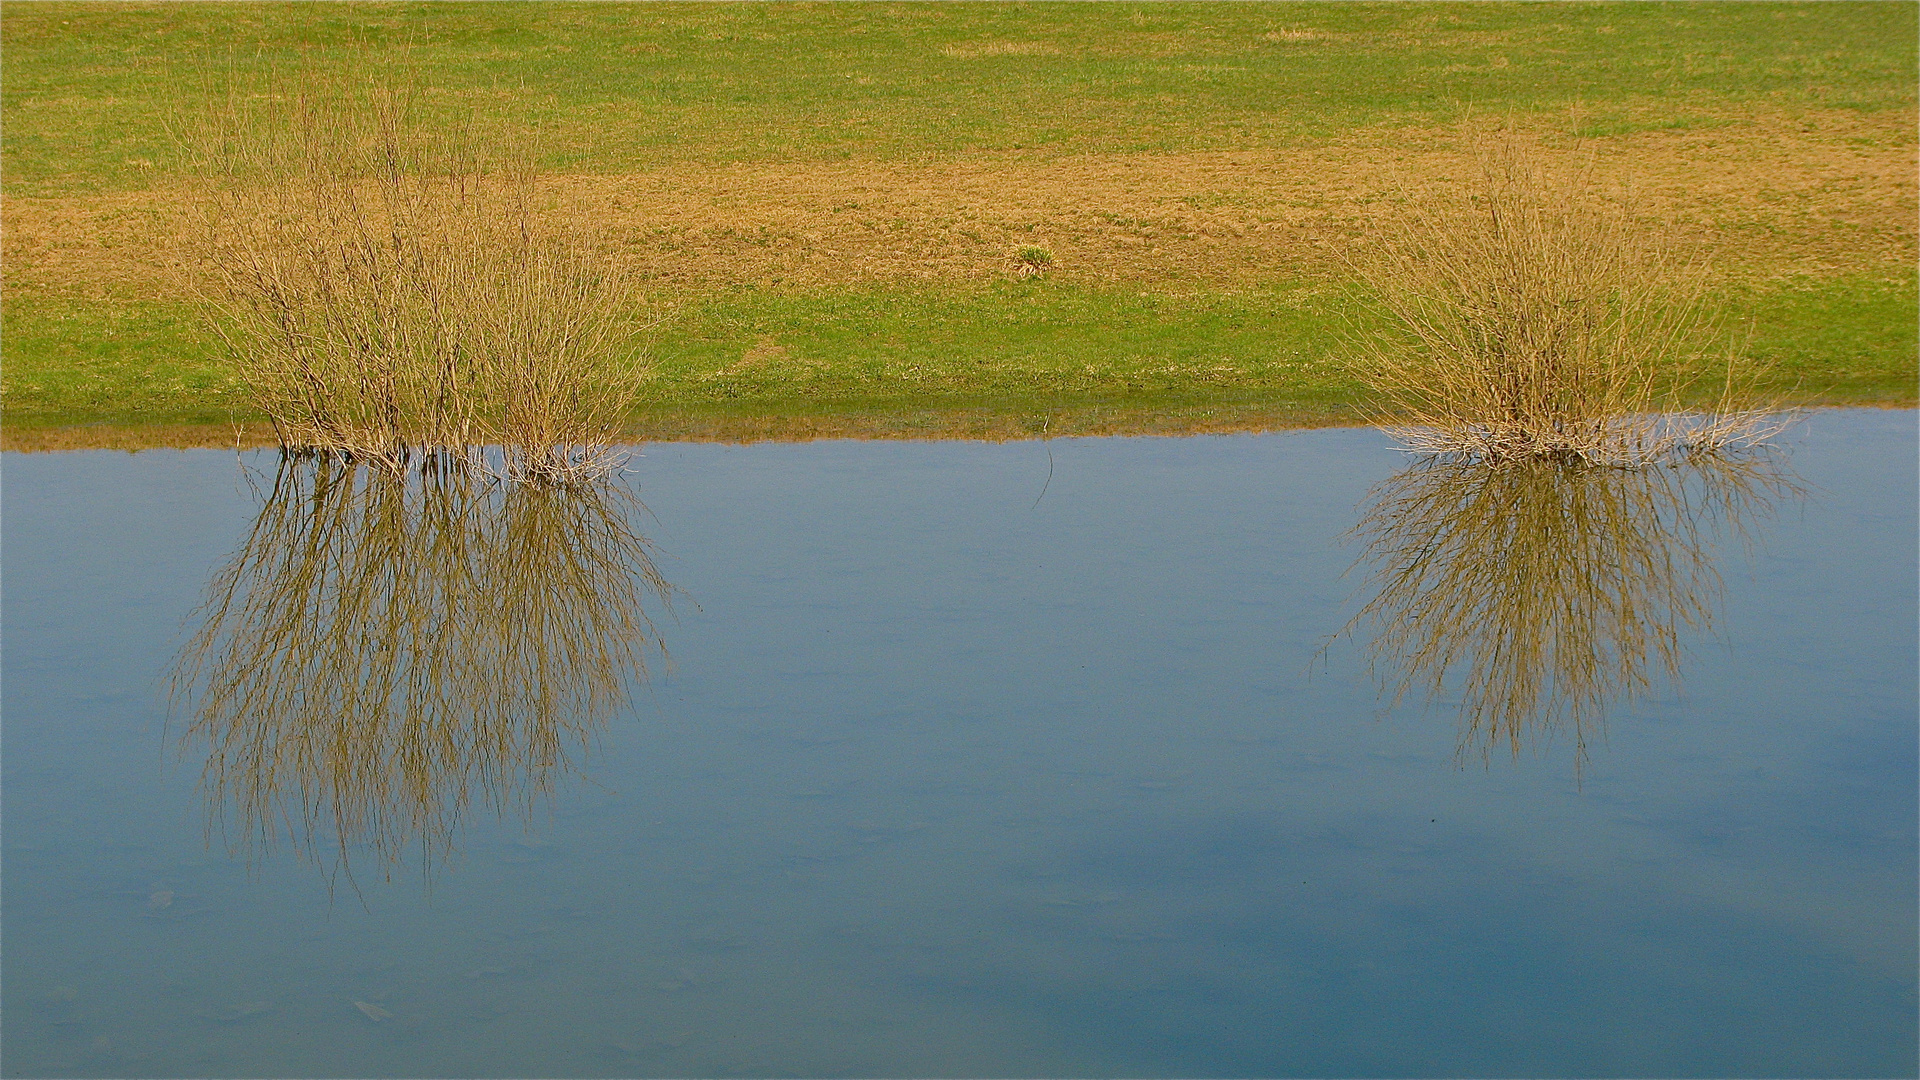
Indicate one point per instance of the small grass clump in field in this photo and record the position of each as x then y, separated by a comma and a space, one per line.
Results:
1033, 261
1535, 320
386, 289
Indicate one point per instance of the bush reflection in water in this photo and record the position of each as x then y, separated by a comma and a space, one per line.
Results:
1540, 591
386, 650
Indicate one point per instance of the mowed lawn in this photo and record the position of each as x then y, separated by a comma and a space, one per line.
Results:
825, 202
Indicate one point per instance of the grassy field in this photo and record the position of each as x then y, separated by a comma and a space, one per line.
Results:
824, 203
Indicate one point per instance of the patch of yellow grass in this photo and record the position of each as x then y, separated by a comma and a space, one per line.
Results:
975, 50
765, 351
1764, 196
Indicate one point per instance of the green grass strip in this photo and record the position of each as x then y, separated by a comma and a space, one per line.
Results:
1012, 347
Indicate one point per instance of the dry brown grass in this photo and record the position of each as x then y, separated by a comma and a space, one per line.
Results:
1536, 318
386, 290
1540, 593
977, 49
134, 438
386, 653
1763, 196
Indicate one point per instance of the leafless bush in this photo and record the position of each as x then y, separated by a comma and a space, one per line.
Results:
388, 288
1535, 319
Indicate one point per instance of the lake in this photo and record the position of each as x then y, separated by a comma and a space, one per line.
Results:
965, 759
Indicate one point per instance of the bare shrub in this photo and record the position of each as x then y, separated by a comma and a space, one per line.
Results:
1535, 318
387, 287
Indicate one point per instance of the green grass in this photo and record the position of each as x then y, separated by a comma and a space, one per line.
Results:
1846, 341
1018, 346
1007, 339
73, 362
611, 88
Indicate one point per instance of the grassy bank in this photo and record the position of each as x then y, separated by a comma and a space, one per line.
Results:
842, 360
824, 204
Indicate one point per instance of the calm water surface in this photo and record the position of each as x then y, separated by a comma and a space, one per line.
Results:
937, 779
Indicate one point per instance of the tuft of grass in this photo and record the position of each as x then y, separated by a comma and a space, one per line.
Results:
1535, 319
385, 288
1032, 261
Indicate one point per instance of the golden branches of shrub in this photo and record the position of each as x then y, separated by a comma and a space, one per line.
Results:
388, 286
1536, 318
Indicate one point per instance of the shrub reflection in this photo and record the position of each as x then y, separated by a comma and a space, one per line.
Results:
385, 652
1540, 591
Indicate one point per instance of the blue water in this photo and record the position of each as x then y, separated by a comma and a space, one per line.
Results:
942, 780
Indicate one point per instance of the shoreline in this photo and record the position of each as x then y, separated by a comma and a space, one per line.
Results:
921, 423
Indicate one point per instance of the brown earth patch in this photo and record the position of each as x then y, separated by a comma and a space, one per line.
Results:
134, 437
1772, 196
977, 423
981, 423
765, 351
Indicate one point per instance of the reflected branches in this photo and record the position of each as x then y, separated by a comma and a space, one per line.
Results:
1540, 591
385, 652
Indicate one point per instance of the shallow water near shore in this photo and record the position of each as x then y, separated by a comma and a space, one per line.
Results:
1016, 759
